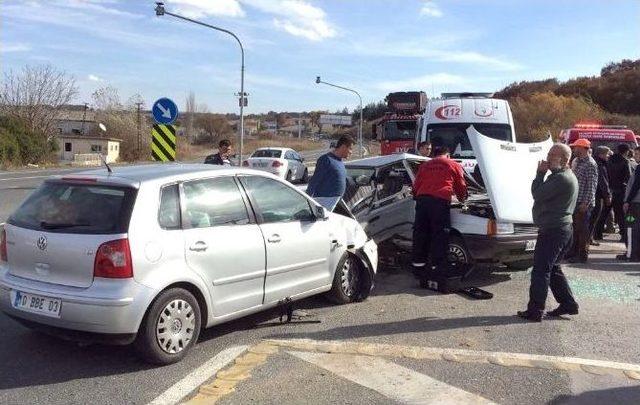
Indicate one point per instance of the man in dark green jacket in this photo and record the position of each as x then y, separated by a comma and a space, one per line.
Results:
554, 201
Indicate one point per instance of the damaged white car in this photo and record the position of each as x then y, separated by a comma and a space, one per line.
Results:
494, 226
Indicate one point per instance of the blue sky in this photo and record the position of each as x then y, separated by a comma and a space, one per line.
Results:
374, 46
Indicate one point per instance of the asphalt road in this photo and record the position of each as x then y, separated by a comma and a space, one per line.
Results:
37, 369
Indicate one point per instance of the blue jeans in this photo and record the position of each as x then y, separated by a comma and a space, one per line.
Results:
551, 247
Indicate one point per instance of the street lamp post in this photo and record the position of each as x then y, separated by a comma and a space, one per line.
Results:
318, 81
160, 11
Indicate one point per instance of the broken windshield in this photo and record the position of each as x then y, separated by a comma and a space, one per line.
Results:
454, 136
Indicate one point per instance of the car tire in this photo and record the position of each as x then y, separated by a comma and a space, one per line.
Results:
289, 176
458, 252
305, 176
152, 344
345, 280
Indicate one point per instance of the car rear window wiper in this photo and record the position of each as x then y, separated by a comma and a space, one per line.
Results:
60, 225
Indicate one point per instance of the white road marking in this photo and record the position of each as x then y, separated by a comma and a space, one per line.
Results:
197, 377
391, 380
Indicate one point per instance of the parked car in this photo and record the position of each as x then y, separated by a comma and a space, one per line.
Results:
494, 226
283, 162
153, 254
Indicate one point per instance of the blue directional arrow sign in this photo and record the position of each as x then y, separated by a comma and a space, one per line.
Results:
165, 111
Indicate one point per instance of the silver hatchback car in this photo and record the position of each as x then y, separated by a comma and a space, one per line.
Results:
152, 254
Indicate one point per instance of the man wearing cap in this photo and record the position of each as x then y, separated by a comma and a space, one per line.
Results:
585, 169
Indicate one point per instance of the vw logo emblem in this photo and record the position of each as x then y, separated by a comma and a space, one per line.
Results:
42, 243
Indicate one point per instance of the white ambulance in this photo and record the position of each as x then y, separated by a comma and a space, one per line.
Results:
446, 120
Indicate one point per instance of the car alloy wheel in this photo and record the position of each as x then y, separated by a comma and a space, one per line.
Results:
349, 277
175, 326
457, 254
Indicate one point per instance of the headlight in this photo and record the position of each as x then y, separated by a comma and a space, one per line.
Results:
499, 228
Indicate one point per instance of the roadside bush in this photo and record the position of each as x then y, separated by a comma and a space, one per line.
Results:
20, 146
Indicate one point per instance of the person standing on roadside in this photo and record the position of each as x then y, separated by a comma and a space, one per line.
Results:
222, 158
554, 202
424, 148
631, 208
603, 195
620, 170
436, 182
329, 180
586, 171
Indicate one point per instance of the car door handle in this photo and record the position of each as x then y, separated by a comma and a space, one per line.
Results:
199, 246
275, 238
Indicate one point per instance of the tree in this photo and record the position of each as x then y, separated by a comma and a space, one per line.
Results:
214, 126
36, 95
190, 110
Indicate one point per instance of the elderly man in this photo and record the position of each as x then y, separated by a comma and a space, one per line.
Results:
554, 201
585, 169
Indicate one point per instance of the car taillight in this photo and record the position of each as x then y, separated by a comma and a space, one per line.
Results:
245, 163
113, 260
3, 246
277, 163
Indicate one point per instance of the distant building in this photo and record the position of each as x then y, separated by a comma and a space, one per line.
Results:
78, 148
74, 120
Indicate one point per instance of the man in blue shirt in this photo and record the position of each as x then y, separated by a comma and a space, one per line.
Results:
329, 179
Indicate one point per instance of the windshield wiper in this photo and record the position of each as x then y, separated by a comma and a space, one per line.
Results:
60, 225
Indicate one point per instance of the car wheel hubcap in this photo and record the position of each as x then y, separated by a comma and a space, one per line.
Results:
175, 326
349, 278
457, 254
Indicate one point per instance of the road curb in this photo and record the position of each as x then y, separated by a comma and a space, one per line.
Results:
596, 367
226, 380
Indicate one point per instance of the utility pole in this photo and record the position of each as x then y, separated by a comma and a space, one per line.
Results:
139, 122
299, 125
84, 117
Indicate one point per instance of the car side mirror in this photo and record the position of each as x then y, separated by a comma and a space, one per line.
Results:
321, 213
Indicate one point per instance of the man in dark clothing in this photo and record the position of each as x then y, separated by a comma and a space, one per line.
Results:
329, 180
436, 182
631, 209
620, 171
554, 202
603, 194
222, 157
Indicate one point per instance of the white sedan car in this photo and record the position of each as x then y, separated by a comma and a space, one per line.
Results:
153, 254
283, 162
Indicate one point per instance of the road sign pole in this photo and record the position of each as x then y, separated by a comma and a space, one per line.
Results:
241, 107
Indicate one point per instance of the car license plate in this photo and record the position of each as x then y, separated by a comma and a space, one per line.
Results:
36, 303
261, 164
530, 245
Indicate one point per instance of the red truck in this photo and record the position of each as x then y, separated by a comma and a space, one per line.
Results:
398, 129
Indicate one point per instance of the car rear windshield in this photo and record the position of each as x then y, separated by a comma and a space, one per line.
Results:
63, 207
454, 136
267, 153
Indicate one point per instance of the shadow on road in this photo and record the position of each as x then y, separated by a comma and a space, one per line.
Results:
416, 325
618, 396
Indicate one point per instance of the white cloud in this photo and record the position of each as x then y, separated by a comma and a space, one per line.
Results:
422, 82
297, 17
95, 78
430, 9
205, 8
20, 47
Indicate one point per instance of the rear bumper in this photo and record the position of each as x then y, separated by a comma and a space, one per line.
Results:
106, 307
499, 248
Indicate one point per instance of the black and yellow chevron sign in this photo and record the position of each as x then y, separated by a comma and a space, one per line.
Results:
163, 143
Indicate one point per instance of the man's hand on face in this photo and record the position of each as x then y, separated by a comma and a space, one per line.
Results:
543, 166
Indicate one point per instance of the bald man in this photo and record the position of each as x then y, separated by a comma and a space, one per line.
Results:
554, 202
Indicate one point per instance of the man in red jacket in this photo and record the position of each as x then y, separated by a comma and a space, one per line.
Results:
436, 182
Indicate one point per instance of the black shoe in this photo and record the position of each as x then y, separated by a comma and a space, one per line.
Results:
622, 257
563, 311
594, 243
533, 316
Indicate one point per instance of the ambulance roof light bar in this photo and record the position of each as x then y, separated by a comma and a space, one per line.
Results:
599, 126
467, 95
